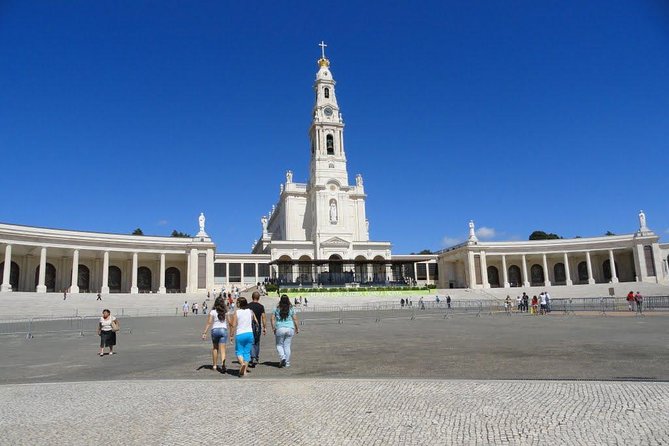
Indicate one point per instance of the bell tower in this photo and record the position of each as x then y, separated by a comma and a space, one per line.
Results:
326, 133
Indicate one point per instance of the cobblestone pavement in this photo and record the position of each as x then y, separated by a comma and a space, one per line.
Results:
335, 412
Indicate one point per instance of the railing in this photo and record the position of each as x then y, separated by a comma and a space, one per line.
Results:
42, 326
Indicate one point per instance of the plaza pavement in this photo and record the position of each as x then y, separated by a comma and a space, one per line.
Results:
461, 380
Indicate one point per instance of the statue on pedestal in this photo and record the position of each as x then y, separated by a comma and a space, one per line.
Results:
642, 222
263, 221
358, 180
201, 220
472, 232
289, 176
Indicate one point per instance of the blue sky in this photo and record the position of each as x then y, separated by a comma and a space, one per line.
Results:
522, 115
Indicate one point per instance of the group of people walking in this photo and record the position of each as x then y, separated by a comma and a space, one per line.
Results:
245, 324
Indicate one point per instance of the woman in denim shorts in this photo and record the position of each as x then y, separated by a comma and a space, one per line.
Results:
218, 321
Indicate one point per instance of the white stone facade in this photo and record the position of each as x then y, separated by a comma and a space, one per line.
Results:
324, 218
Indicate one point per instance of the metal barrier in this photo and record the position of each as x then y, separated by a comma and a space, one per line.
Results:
42, 326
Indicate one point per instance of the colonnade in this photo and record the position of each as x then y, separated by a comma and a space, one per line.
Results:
632, 263
199, 265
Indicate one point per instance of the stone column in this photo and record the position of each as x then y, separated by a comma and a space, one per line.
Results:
470, 269
639, 262
427, 272
227, 275
547, 281
133, 284
415, 271
505, 273
257, 273
6, 286
74, 284
591, 280
161, 286
193, 270
614, 274
41, 287
188, 273
484, 270
104, 289
526, 282
566, 270
241, 273
210, 269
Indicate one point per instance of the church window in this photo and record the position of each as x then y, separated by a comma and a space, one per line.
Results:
329, 144
331, 165
326, 92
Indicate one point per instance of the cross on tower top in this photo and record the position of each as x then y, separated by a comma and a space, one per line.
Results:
322, 45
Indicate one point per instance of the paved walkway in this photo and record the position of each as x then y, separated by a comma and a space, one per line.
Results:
461, 380
335, 412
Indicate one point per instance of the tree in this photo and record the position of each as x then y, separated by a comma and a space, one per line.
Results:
425, 251
609, 233
176, 233
541, 235
138, 231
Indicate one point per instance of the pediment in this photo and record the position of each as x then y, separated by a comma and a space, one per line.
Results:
336, 242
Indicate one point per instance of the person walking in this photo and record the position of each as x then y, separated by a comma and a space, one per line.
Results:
99, 297
448, 301
242, 325
107, 328
535, 303
218, 321
638, 299
259, 328
184, 308
285, 326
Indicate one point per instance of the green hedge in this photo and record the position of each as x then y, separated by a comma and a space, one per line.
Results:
351, 290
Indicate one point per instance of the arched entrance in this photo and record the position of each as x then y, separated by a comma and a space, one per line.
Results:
514, 276
83, 279
49, 277
144, 279
582, 272
114, 279
559, 274
537, 275
360, 270
379, 270
172, 280
305, 269
13, 275
493, 276
285, 269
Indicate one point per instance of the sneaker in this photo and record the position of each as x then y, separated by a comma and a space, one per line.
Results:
252, 364
282, 363
287, 364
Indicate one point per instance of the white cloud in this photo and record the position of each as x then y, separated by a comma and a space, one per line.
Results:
484, 232
450, 241
162, 222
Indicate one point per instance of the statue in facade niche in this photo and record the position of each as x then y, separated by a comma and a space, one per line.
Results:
289, 176
358, 180
333, 211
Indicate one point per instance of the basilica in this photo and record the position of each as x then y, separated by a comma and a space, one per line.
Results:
316, 235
